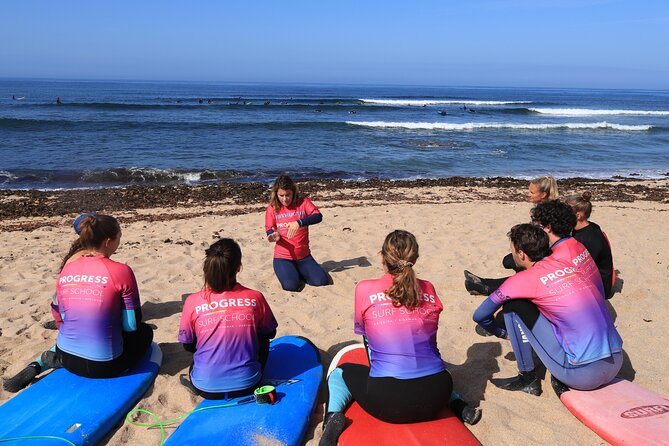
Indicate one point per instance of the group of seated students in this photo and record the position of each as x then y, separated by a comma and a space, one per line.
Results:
553, 305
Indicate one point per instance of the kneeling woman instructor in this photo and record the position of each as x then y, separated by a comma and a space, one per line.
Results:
287, 220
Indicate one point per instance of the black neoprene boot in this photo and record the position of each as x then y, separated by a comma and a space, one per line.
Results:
50, 325
558, 386
465, 412
23, 378
51, 360
474, 285
527, 382
333, 425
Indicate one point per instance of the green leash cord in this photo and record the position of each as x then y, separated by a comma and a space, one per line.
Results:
37, 437
262, 395
163, 424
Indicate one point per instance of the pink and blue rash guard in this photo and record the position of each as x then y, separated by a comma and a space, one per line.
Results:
567, 289
295, 248
225, 328
402, 342
92, 292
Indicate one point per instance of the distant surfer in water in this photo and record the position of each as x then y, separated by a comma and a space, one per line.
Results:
398, 317
554, 307
58, 101
287, 220
103, 335
228, 356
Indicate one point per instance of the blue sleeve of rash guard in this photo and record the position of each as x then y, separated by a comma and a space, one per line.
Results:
311, 219
130, 319
485, 317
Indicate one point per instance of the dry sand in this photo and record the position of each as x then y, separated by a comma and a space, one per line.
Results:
457, 228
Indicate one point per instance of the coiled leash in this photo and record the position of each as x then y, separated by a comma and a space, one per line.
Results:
261, 395
265, 395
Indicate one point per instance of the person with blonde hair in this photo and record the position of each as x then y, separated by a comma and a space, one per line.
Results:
554, 308
593, 238
539, 190
398, 317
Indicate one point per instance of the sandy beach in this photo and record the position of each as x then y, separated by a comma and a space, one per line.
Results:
459, 224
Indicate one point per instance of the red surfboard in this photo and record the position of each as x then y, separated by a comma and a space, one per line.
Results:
364, 429
622, 413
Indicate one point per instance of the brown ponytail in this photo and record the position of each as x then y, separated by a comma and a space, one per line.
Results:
74, 248
400, 252
221, 264
95, 229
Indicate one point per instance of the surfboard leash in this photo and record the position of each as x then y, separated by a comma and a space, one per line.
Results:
37, 437
261, 395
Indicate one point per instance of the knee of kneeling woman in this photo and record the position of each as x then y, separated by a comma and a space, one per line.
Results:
291, 285
321, 280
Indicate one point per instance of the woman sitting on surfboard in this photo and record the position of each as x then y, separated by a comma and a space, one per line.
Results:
555, 307
287, 220
539, 190
592, 237
101, 334
74, 248
398, 317
227, 326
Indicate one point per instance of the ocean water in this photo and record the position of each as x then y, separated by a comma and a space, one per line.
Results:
120, 133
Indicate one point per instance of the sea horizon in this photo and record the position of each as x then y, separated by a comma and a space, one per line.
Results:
122, 132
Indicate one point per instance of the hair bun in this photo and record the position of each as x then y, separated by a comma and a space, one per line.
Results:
587, 195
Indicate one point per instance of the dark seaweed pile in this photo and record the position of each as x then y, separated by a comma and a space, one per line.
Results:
35, 203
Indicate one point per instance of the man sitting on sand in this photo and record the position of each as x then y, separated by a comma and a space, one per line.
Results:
555, 307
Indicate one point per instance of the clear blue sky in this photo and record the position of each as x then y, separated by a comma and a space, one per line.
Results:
552, 43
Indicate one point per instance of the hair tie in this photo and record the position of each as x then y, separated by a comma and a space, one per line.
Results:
404, 263
78, 220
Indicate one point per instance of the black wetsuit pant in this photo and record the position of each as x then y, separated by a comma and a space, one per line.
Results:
135, 345
398, 400
508, 263
263, 354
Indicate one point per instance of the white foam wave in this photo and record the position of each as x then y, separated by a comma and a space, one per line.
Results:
8, 175
493, 125
595, 112
425, 102
191, 178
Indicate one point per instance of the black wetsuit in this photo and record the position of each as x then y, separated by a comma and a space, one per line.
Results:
599, 248
398, 400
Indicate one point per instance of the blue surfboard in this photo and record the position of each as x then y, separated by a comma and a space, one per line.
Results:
294, 369
80, 410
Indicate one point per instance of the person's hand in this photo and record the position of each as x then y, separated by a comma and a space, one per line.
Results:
293, 226
273, 237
